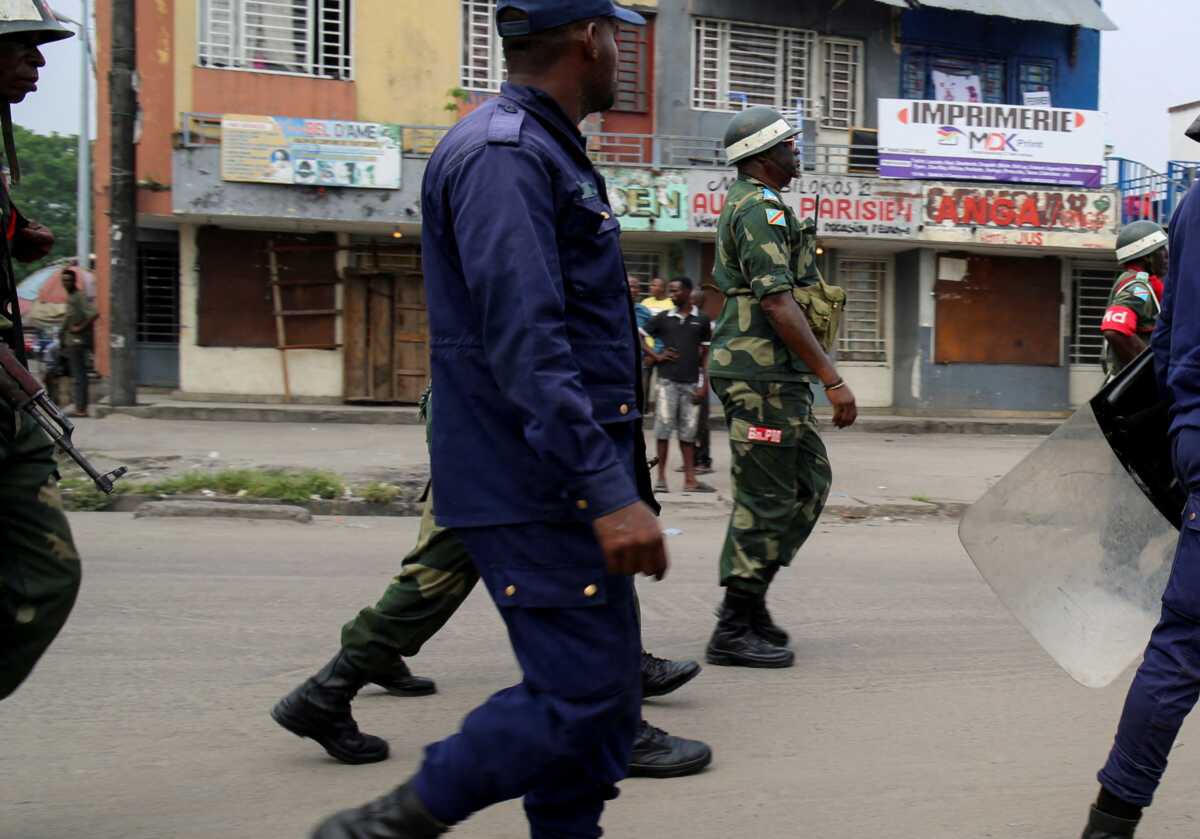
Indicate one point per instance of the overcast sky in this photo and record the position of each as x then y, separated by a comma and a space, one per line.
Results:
1149, 64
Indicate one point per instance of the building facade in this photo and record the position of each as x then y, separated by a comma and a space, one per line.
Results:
963, 295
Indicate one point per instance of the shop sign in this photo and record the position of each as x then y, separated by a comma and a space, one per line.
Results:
1028, 217
923, 139
858, 207
706, 190
310, 152
643, 200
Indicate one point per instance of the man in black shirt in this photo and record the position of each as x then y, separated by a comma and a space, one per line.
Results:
682, 384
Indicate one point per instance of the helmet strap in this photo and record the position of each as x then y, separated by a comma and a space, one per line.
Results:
10, 144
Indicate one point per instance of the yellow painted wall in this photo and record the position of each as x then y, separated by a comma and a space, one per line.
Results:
186, 32
407, 60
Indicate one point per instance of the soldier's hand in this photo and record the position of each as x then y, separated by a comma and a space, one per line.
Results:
632, 542
32, 242
845, 408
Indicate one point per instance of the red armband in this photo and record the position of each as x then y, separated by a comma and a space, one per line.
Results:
1120, 319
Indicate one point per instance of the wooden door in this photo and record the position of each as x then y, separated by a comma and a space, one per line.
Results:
387, 345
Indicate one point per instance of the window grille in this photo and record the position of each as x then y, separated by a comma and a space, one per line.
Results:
643, 266
482, 53
862, 337
916, 81
158, 293
842, 65
1034, 76
298, 37
633, 61
1091, 283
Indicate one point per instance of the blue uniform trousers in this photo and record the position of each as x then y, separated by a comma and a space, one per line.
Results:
1168, 682
561, 738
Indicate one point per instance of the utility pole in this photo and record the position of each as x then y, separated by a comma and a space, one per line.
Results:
83, 237
122, 298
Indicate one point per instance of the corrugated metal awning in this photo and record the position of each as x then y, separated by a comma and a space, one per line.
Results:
1067, 12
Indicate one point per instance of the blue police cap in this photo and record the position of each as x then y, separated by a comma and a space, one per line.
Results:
541, 15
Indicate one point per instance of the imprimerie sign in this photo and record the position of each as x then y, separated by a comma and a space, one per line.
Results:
1000, 143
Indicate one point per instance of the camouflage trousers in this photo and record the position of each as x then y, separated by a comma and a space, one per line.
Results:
39, 568
434, 580
781, 478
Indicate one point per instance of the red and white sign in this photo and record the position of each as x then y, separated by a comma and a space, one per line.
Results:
762, 434
1069, 218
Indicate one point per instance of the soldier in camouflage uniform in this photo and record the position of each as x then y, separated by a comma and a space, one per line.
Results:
1135, 301
39, 568
434, 581
769, 344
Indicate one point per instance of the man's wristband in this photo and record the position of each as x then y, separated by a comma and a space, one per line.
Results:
838, 385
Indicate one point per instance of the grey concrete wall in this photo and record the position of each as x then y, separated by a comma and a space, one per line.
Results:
906, 344
864, 19
198, 193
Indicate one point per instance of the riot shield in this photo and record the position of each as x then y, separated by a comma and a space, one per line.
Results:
1074, 547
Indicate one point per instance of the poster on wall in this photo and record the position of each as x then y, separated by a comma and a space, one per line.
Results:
1068, 218
310, 152
930, 140
643, 200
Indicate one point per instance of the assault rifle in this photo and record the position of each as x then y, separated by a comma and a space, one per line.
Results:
24, 393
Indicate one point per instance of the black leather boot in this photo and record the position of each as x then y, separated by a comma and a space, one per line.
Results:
320, 709
401, 682
397, 815
657, 754
660, 676
766, 628
734, 642
1103, 826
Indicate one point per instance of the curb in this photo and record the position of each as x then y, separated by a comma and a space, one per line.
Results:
233, 507
218, 509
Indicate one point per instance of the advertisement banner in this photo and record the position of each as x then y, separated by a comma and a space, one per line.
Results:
1027, 217
928, 140
706, 192
310, 152
643, 200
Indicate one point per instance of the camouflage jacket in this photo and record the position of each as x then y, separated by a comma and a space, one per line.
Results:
762, 249
1133, 307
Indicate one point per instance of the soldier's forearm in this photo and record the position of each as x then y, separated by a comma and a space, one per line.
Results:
1127, 347
792, 327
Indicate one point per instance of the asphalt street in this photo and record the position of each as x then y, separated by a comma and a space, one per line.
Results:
918, 707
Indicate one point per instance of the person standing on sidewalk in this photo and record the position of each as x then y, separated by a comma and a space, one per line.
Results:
1167, 683
766, 352
704, 464
682, 385
537, 452
39, 566
77, 338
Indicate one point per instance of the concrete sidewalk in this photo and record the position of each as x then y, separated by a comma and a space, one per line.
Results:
870, 422
874, 474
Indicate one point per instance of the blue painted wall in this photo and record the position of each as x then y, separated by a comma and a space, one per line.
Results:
1077, 81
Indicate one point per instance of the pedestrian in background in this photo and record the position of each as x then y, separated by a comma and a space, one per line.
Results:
643, 315
704, 464
682, 384
77, 338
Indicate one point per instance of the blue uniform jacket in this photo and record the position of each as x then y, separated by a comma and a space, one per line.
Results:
532, 334
1176, 340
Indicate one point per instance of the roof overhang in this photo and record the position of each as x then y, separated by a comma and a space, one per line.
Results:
1086, 13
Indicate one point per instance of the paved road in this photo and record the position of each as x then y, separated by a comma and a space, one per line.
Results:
918, 707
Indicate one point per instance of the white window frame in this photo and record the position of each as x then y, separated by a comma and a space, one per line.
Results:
803, 85
879, 344
222, 37
490, 73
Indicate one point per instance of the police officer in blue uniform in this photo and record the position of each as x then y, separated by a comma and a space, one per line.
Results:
1168, 681
537, 453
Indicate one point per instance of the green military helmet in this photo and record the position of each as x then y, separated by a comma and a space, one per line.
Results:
754, 131
1138, 239
20, 16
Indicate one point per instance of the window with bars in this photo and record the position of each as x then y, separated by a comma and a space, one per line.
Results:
633, 63
298, 37
862, 337
482, 55
643, 266
1091, 283
1035, 76
918, 68
158, 293
738, 65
